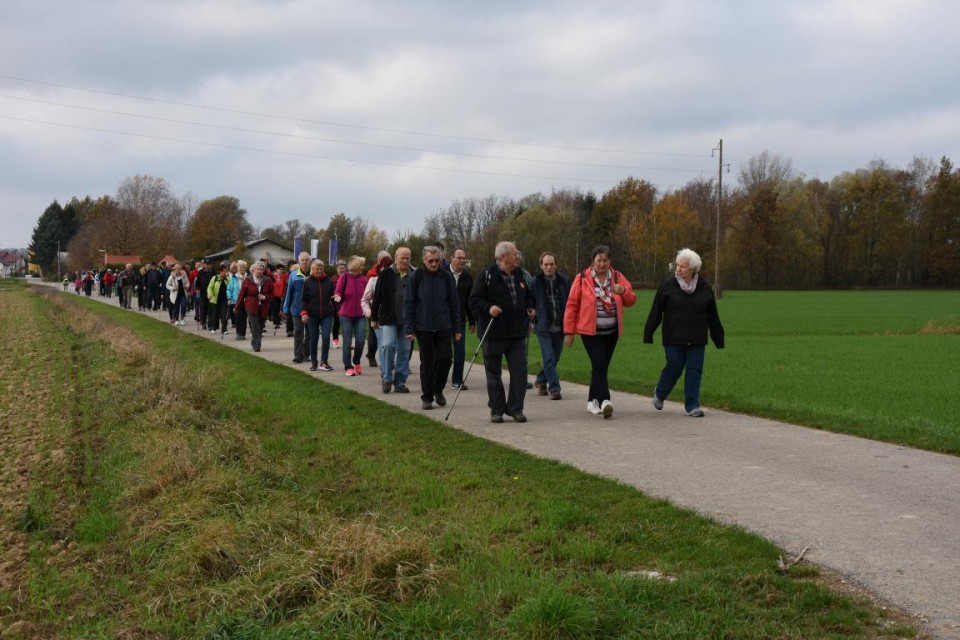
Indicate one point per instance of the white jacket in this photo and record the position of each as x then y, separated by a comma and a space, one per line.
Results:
174, 289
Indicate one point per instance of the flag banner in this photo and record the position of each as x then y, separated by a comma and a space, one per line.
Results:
297, 248
332, 258
314, 247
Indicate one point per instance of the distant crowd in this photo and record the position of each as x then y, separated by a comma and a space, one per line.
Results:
391, 305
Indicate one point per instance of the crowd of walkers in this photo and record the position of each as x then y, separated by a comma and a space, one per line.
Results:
393, 305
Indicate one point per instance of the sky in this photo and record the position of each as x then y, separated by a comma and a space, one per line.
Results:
393, 110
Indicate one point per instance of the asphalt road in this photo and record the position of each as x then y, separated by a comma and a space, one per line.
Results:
883, 516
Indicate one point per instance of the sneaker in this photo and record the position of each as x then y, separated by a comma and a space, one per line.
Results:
555, 395
606, 408
299, 360
541, 389
386, 387
440, 400
372, 361
427, 405
358, 369
213, 330
313, 366
529, 385
289, 334
325, 367
696, 413
401, 388
239, 338
462, 387
496, 418
350, 372
518, 416
657, 402
593, 407
336, 343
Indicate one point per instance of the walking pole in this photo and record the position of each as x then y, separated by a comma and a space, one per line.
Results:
472, 360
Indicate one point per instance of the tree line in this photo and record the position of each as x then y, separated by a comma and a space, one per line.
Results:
879, 226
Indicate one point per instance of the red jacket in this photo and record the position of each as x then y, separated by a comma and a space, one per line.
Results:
581, 312
249, 296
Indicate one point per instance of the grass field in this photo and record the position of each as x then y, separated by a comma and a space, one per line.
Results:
159, 485
881, 365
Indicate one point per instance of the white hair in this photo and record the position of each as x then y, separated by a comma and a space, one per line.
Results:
692, 257
503, 248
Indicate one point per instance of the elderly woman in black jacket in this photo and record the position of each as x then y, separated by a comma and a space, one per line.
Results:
687, 308
316, 311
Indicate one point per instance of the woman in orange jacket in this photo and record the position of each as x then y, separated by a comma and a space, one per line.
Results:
595, 306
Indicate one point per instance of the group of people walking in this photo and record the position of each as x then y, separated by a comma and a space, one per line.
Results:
436, 304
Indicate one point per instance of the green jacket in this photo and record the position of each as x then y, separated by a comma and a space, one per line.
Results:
213, 289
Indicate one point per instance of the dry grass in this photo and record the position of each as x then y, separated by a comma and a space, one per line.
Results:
937, 328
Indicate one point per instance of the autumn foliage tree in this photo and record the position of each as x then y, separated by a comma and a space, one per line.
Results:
218, 223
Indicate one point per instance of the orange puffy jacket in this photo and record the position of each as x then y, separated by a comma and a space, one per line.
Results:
581, 313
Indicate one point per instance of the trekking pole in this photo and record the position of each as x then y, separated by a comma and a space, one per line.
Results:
472, 360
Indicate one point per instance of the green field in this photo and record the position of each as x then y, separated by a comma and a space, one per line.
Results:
881, 365
158, 485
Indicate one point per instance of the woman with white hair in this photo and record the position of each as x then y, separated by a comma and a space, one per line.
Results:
686, 306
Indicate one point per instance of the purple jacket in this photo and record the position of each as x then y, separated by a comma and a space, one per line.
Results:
350, 289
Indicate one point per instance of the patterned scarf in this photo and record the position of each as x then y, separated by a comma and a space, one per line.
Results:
603, 290
689, 287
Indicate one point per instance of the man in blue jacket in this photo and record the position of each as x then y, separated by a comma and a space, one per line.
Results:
431, 311
291, 306
551, 289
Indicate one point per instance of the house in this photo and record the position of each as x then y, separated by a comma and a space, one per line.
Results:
257, 249
109, 259
11, 264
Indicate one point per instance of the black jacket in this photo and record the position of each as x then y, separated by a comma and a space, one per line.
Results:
464, 287
431, 302
490, 289
388, 294
316, 298
686, 317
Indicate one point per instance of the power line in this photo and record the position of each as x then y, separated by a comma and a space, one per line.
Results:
341, 141
304, 155
343, 124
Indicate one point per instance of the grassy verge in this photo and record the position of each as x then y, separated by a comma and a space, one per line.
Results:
872, 364
214, 495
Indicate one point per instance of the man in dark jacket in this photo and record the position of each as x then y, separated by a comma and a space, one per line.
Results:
386, 311
205, 308
431, 310
551, 290
501, 296
458, 267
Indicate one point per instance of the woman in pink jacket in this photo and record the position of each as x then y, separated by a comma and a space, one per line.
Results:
598, 296
349, 294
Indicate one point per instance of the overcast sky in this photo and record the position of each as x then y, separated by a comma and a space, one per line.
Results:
392, 110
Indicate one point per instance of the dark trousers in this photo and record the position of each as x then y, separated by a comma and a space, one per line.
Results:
202, 309
127, 296
515, 350
436, 356
240, 317
256, 330
289, 324
600, 351
275, 304
220, 315
372, 343
459, 353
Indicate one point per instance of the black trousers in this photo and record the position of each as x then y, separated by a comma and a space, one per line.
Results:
240, 318
515, 350
600, 351
436, 357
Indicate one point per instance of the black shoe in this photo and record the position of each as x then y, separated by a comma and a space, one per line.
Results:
256, 350
496, 418
299, 360
289, 334
555, 395
386, 387
462, 387
529, 385
373, 362
541, 389
401, 388
313, 365
427, 405
518, 416
440, 400
238, 338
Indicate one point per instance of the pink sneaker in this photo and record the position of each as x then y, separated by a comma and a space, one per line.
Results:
357, 368
351, 372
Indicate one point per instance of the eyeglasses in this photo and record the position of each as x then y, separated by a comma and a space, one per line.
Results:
434, 261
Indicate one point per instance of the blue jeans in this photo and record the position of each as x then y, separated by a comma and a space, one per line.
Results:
680, 357
459, 353
314, 327
395, 355
353, 330
551, 347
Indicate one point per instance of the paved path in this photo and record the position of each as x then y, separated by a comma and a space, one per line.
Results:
885, 516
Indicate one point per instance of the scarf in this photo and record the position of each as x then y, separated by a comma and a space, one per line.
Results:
603, 290
689, 287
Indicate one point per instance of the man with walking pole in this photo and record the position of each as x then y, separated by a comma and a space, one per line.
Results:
500, 292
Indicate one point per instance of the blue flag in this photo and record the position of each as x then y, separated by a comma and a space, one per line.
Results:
332, 258
297, 248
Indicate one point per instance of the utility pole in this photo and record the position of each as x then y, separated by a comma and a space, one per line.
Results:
59, 275
716, 271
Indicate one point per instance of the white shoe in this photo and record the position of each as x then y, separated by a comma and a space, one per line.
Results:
593, 407
606, 408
